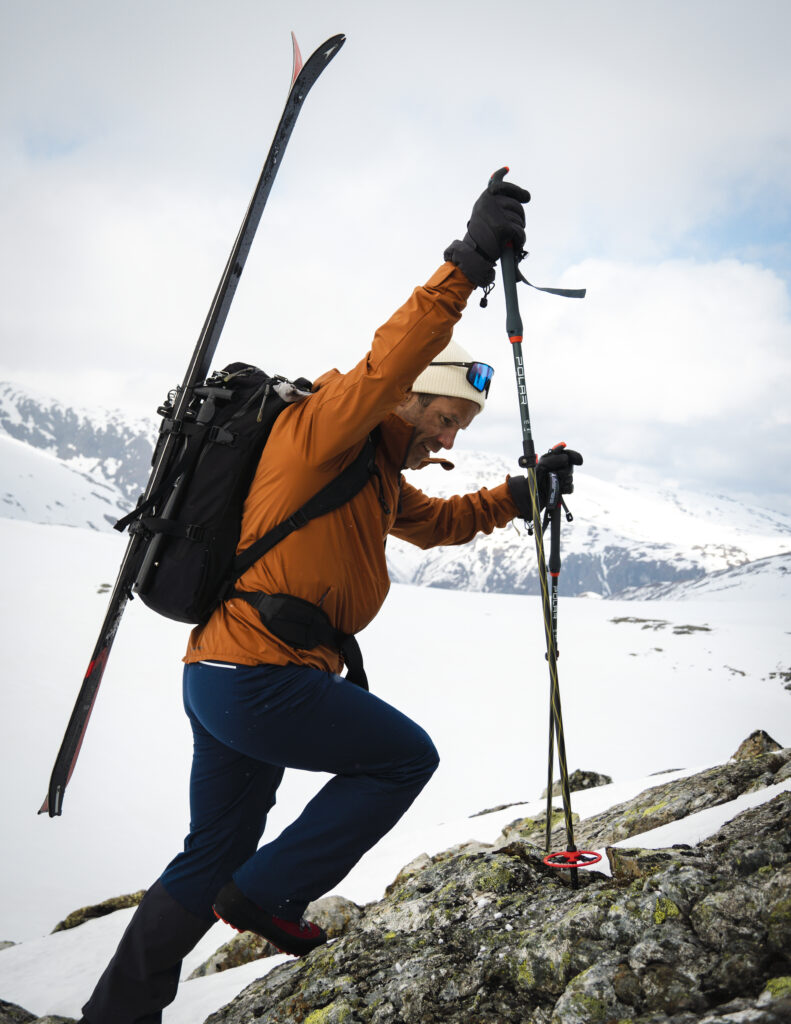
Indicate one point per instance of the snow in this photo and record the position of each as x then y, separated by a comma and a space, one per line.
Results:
697, 827
36, 485
640, 696
705, 526
765, 579
620, 536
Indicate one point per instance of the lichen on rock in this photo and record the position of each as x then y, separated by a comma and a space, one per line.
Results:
492, 935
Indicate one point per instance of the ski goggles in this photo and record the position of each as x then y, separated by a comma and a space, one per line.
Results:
479, 375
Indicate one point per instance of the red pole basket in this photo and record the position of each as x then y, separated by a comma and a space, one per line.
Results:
572, 859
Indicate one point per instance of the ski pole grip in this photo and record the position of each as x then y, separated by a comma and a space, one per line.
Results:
513, 320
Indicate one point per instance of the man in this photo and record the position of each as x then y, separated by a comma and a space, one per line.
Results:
257, 701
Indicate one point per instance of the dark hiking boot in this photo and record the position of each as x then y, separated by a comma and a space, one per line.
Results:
295, 937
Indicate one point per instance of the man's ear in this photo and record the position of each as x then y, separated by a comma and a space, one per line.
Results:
406, 400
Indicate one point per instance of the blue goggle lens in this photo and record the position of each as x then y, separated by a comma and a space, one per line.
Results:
480, 376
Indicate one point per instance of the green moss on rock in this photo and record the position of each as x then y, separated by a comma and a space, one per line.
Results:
779, 988
664, 910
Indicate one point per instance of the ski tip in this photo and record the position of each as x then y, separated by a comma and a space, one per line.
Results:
298, 62
331, 47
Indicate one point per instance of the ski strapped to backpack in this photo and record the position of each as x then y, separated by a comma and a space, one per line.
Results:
304, 77
192, 523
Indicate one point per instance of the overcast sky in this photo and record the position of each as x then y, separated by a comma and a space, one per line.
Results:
654, 136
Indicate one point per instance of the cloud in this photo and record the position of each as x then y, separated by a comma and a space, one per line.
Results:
657, 149
682, 368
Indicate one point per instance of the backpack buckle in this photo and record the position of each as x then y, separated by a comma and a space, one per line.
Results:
219, 435
297, 520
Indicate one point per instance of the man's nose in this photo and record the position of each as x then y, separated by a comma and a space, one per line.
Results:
447, 437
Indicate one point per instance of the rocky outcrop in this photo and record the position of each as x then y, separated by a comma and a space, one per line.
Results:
677, 799
759, 742
659, 805
492, 935
10, 1013
78, 917
580, 780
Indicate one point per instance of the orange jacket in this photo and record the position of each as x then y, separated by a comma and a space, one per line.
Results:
338, 560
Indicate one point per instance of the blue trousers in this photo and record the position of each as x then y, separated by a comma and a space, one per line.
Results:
250, 724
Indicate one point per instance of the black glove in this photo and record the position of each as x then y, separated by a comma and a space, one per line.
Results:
559, 460
498, 218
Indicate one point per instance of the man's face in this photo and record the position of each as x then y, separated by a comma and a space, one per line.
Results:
436, 425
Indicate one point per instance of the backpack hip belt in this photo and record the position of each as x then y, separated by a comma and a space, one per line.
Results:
304, 626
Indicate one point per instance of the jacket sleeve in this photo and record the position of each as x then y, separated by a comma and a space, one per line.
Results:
348, 406
428, 522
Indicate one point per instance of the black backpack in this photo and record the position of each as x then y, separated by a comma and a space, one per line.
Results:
193, 521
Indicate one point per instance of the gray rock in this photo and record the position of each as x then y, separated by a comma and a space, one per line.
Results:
242, 949
78, 917
492, 935
674, 800
10, 1013
580, 780
758, 742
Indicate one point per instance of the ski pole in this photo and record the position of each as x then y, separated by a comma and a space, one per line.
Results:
528, 462
555, 502
552, 519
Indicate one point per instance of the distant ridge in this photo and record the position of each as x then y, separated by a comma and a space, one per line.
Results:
112, 448
87, 467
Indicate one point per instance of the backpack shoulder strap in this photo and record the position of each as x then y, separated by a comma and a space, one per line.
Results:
332, 496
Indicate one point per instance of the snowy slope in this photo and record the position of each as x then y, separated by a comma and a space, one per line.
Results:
766, 579
621, 537
39, 487
638, 679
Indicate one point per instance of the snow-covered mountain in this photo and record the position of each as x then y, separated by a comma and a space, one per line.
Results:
621, 539
38, 486
107, 447
85, 468
765, 579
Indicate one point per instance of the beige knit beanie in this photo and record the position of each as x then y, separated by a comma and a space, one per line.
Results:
449, 381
